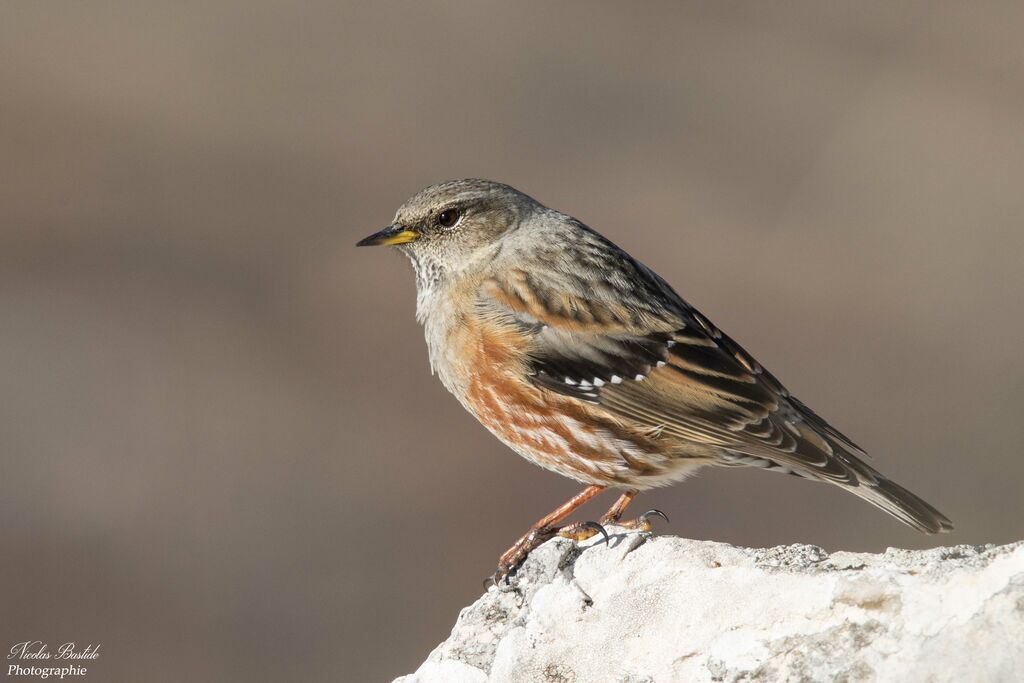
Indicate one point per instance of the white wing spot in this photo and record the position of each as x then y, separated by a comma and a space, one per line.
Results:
570, 381
616, 379
598, 382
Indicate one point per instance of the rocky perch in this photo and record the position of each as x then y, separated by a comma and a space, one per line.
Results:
658, 609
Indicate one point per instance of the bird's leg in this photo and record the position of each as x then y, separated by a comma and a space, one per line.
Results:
545, 528
617, 509
614, 516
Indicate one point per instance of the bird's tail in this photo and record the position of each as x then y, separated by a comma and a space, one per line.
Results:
903, 505
842, 462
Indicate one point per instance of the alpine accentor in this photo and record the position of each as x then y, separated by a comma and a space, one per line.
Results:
585, 362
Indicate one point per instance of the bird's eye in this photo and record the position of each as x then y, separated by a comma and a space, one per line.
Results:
449, 217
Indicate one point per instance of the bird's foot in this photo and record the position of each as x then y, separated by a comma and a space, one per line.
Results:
641, 523
510, 561
581, 531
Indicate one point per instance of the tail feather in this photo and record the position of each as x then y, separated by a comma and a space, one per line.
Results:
903, 505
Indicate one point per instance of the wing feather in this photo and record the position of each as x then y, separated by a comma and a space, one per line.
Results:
667, 370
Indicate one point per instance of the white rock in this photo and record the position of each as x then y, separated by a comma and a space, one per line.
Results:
668, 609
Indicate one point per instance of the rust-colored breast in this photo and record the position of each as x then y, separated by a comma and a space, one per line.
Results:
559, 433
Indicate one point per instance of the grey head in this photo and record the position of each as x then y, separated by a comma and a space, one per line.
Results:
444, 227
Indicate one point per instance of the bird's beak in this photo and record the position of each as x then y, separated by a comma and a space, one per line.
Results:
391, 235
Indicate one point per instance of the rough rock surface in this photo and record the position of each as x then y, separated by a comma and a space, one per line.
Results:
669, 609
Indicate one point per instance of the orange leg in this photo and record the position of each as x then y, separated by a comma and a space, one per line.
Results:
541, 531
614, 513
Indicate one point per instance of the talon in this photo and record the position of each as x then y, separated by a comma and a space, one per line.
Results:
598, 528
501, 574
654, 513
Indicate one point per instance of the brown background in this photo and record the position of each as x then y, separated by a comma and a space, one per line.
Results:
222, 455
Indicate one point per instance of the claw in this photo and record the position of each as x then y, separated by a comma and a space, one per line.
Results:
654, 513
598, 528
500, 575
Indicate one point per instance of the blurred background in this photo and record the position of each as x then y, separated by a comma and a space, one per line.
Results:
223, 455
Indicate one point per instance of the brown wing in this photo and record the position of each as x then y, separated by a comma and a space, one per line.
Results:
664, 368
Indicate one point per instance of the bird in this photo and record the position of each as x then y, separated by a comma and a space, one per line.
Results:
587, 363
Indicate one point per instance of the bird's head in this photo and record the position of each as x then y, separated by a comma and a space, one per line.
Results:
445, 226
